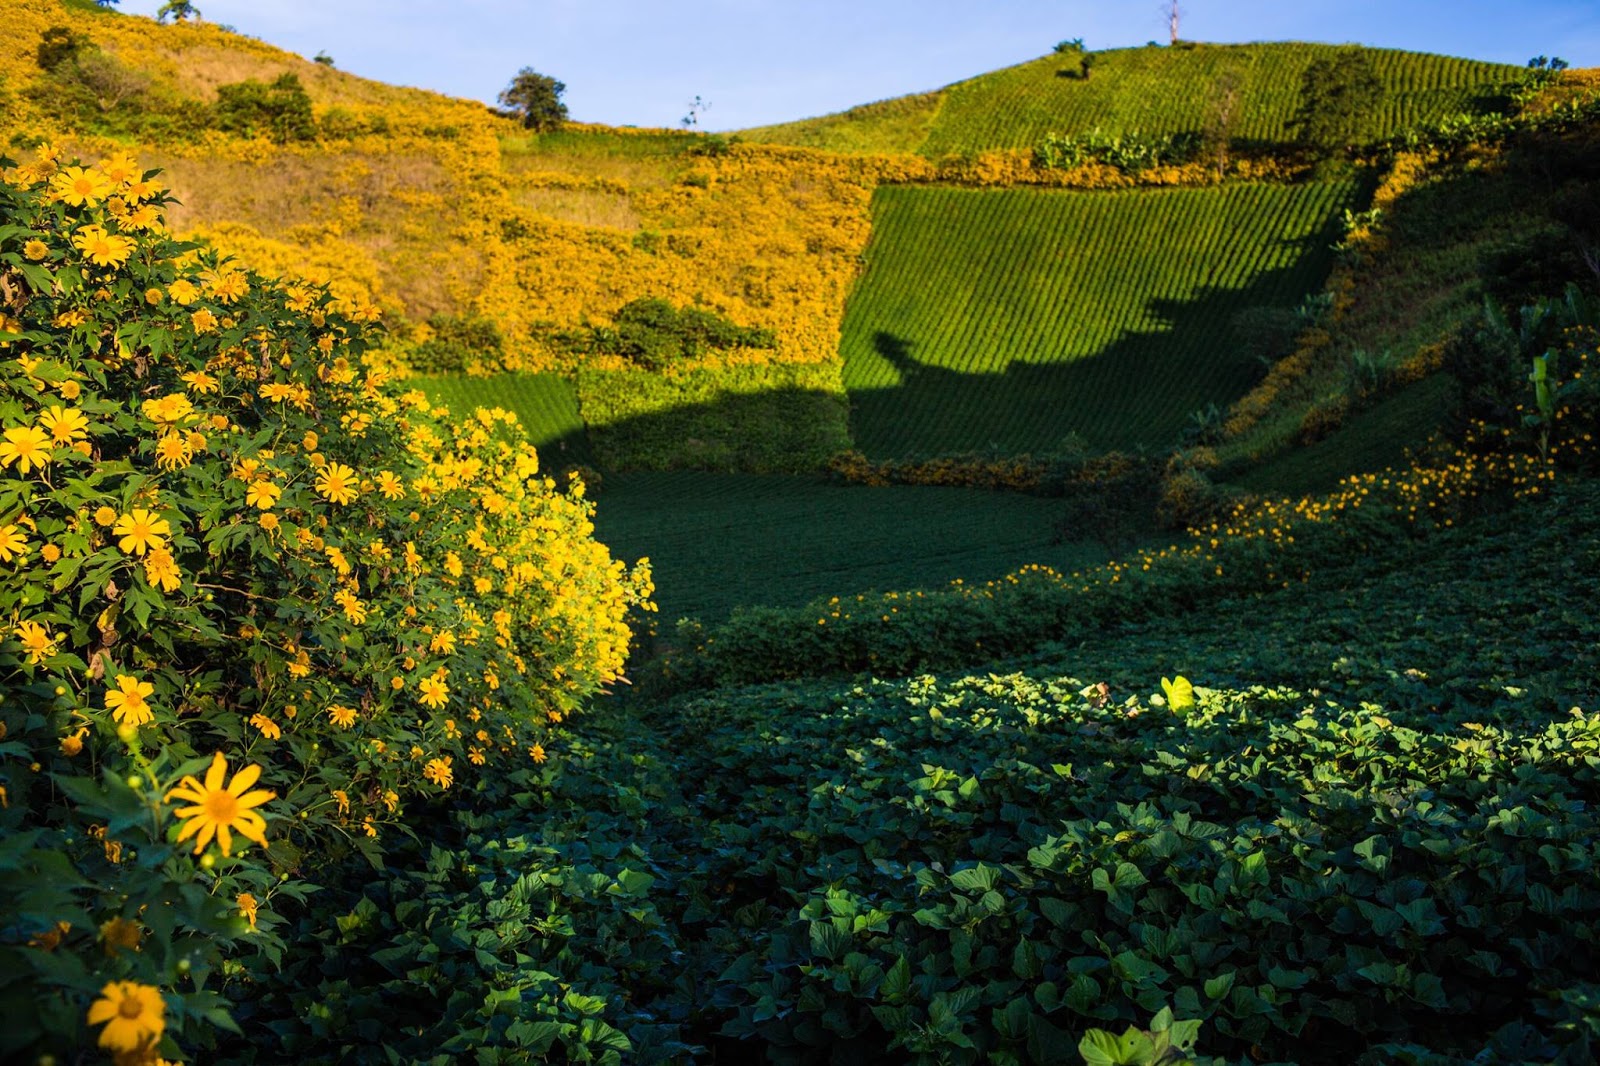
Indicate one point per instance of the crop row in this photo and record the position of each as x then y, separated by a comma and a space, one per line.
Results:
1160, 90
1010, 318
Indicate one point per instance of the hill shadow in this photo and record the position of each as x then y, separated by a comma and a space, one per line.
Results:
1138, 391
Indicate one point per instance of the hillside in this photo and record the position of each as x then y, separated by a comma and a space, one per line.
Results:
1151, 90
1004, 319
670, 599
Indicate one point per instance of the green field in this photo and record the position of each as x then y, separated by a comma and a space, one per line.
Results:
546, 405
1143, 90
721, 541
1008, 319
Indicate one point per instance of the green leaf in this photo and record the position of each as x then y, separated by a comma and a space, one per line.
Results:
1101, 1048
980, 878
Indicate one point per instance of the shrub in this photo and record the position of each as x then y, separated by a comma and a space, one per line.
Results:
457, 342
215, 563
653, 334
280, 110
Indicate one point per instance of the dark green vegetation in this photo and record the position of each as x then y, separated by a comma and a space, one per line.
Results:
782, 418
1378, 437
1011, 318
717, 542
1372, 841
1149, 91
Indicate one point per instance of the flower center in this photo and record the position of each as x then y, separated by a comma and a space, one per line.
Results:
131, 1007
222, 806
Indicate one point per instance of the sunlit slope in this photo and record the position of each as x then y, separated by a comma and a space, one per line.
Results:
1146, 90
1009, 319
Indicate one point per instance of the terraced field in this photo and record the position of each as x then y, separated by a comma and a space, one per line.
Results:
1145, 90
718, 541
546, 405
1007, 319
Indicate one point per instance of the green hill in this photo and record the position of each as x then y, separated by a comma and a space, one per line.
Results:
1010, 318
1145, 90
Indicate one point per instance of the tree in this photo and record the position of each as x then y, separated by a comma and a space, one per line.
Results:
536, 99
1221, 116
1337, 92
281, 109
1173, 14
697, 108
178, 9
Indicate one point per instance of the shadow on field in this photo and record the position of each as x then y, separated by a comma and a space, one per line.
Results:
1137, 391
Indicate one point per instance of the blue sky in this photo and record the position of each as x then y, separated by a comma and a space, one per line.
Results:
640, 62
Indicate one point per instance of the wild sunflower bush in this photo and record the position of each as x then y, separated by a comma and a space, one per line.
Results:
254, 602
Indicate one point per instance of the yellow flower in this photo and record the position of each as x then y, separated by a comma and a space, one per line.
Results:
72, 743
79, 187
127, 703
438, 771
27, 446
104, 516
229, 286
172, 408
121, 169
276, 392
161, 570
434, 692
248, 908
200, 381
268, 727
183, 292
134, 1015
36, 249
140, 530
391, 800
102, 248
342, 798
476, 756
343, 717
12, 543
354, 609
268, 522
204, 321
262, 494
390, 486
120, 934
36, 641
221, 811
172, 452
337, 483
64, 424
1179, 693
537, 754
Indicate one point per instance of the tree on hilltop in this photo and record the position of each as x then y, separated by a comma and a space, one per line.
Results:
536, 99
180, 10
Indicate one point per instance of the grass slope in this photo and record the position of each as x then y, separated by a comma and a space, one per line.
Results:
1010, 318
1145, 90
717, 542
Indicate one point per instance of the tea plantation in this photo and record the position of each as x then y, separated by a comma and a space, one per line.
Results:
948, 346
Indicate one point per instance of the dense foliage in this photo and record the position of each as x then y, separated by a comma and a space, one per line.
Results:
211, 518
984, 868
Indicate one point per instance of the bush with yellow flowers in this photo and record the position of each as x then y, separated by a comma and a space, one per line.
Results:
253, 603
